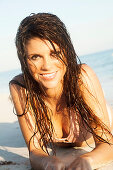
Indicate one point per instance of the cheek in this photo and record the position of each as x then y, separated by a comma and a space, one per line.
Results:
32, 68
60, 64
34, 74
64, 69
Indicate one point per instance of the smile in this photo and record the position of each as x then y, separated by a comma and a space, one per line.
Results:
48, 76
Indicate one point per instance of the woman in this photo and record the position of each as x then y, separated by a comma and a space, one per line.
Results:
58, 100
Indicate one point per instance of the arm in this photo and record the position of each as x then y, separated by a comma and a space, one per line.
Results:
103, 152
38, 158
42, 161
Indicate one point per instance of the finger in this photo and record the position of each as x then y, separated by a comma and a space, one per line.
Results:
61, 167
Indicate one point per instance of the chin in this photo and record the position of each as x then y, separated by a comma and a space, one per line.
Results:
50, 85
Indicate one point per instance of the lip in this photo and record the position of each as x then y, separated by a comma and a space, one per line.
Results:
48, 76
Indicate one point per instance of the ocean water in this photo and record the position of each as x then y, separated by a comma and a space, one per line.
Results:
101, 63
5, 77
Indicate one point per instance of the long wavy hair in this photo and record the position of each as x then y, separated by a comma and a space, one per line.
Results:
49, 27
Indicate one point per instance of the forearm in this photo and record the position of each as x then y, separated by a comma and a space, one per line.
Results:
36, 159
101, 155
41, 161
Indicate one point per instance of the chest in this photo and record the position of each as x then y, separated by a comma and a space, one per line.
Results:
61, 123
70, 127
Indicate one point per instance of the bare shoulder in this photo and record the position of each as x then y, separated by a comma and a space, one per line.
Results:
18, 80
89, 79
93, 93
19, 77
17, 85
88, 73
18, 93
90, 82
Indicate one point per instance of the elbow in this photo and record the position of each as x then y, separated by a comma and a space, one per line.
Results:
36, 158
33, 160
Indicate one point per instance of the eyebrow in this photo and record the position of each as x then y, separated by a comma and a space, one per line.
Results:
51, 52
29, 55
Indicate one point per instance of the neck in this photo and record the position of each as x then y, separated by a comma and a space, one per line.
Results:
53, 96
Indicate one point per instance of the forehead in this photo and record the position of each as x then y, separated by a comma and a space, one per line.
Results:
39, 45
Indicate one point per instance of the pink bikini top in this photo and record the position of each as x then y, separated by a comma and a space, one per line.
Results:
74, 131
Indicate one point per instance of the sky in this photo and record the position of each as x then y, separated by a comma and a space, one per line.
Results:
89, 22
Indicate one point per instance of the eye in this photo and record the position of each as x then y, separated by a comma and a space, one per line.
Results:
34, 57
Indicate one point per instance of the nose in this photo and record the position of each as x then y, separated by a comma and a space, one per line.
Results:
47, 63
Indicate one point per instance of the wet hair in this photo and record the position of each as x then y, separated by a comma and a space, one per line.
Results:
49, 27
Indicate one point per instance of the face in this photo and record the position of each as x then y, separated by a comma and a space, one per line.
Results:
44, 65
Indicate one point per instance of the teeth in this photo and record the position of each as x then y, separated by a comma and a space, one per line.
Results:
48, 75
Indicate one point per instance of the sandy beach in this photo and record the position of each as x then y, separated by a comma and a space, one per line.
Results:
13, 151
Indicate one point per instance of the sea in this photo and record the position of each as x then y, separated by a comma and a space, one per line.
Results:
101, 62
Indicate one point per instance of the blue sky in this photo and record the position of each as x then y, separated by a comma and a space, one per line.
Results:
89, 22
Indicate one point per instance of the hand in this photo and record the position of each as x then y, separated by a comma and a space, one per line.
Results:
53, 163
79, 164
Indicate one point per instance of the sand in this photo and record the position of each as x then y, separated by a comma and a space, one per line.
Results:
13, 151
